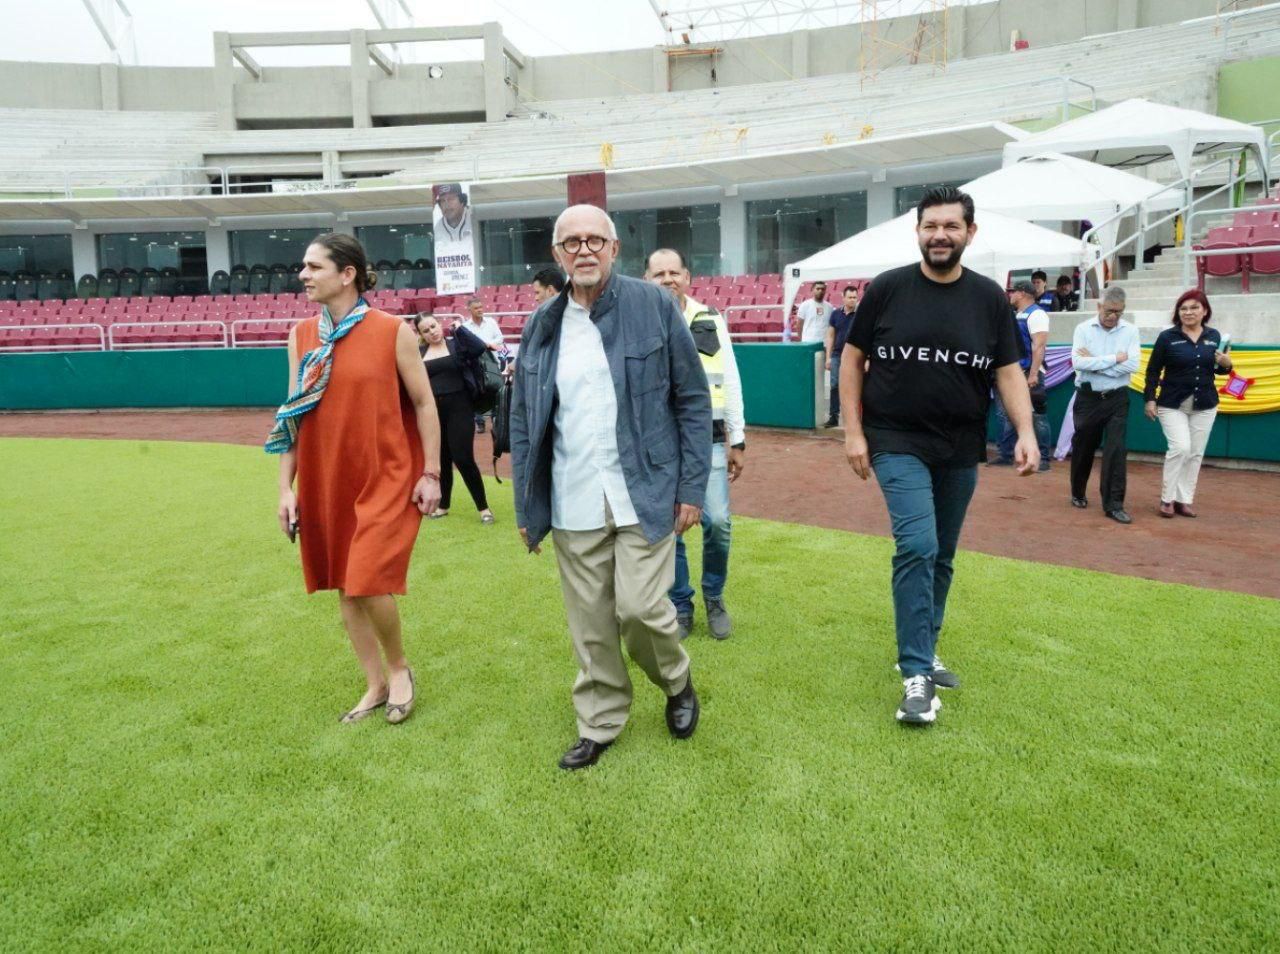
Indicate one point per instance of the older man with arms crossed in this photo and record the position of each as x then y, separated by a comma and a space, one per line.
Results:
666, 267
936, 334
611, 453
1104, 354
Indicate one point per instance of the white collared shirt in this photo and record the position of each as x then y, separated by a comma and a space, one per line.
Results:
487, 331
586, 469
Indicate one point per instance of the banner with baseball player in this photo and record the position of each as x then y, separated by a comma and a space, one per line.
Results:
455, 246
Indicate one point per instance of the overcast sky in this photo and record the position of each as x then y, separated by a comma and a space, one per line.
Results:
179, 32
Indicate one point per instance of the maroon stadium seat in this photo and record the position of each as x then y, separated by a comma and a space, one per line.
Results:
1265, 263
1222, 266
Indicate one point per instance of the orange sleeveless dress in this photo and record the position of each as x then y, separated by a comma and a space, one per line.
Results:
359, 457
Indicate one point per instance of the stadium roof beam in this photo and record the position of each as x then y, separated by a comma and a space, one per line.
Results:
248, 62
706, 21
862, 155
121, 42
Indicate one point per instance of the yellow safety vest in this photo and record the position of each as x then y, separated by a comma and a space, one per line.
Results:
712, 364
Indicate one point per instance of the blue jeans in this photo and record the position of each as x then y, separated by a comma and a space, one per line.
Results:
716, 527
927, 505
1008, 439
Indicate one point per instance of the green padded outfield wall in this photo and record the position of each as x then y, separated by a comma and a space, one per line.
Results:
778, 380
244, 377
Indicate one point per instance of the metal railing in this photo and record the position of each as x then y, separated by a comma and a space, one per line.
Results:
101, 344
119, 326
1144, 226
1191, 254
240, 325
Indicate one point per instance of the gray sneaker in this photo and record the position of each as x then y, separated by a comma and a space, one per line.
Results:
920, 704
942, 677
684, 623
718, 619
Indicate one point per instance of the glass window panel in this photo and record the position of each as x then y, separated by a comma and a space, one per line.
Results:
693, 230
250, 247
398, 243
514, 250
780, 231
906, 198
35, 253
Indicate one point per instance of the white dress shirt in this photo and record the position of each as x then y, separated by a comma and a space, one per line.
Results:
586, 469
487, 331
1101, 371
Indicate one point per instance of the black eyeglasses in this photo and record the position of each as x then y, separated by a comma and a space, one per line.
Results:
573, 245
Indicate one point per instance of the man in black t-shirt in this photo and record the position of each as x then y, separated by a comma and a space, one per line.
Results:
937, 336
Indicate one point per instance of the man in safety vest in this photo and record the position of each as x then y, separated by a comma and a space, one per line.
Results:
666, 267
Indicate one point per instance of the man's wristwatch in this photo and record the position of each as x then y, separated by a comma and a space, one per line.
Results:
433, 474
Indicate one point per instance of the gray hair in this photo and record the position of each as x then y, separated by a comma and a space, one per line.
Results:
1115, 295
613, 229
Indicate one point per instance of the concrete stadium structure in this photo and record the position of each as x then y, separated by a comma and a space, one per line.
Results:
751, 157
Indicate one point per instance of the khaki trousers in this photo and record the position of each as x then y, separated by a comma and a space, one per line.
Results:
1188, 434
615, 587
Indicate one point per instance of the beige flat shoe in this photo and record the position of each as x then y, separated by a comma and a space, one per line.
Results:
398, 712
355, 715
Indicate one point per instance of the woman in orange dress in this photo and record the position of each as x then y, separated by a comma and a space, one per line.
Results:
361, 434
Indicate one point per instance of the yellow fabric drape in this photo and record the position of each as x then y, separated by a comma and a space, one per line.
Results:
1263, 395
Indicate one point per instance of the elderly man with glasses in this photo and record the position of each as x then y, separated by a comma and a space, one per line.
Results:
611, 454
1104, 354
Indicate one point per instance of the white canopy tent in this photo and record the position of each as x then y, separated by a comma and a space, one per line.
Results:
1057, 188
1002, 244
1136, 132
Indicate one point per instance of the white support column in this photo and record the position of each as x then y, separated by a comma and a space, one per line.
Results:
880, 206
733, 233
495, 86
360, 116
224, 81
84, 252
217, 240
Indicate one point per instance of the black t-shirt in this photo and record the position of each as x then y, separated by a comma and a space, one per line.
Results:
934, 349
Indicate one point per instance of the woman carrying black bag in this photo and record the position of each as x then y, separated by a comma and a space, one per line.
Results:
453, 366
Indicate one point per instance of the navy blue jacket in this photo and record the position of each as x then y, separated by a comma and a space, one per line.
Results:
664, 405
1180, 368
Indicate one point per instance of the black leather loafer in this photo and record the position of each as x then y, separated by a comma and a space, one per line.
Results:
584, 752
1079, 502
682, 711
1119, 516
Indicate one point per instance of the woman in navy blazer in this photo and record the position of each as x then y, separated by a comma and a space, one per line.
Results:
1182, 394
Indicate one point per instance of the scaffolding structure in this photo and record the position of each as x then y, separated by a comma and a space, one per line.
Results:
897, 32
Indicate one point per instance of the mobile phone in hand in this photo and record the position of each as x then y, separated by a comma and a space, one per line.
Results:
293, 530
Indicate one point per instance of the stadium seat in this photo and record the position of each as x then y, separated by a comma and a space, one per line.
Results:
239, 281
25, 287
87, 287
279, 279
219, 283
8, 287
1253, 218
108, 283
1265, 263
259, 280
1222, 266
130, 283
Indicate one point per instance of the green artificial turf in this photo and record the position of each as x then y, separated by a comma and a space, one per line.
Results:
173, 774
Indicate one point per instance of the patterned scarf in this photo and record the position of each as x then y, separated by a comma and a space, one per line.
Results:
313, 378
